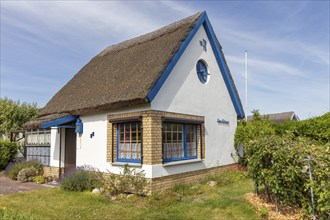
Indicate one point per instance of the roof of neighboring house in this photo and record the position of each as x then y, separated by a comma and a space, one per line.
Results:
131, 73
279, 117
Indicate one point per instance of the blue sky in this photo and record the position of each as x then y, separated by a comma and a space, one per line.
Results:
43, 44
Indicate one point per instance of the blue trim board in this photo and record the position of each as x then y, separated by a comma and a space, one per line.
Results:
203, 19
59, 121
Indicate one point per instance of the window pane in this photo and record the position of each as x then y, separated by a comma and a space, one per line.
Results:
191, 144
140, 136
134, 136
134, 127
121, 128
42, 154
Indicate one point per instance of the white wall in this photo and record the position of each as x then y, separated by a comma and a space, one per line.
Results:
182, 92
93, 151
55, 147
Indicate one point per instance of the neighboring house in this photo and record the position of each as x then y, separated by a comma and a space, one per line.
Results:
164, 102
279, 117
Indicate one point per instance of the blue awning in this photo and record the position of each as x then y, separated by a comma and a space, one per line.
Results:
59, 121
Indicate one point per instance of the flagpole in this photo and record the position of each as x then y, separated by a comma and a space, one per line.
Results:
246, 87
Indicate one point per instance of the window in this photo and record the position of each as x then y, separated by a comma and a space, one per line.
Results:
41, 154
38, 146
202, 71
129, 142
179, 141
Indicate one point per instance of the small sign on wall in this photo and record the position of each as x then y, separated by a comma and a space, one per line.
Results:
223, 121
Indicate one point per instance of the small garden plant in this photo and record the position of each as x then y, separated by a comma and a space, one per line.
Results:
81, 179
27, 174
129, 180
12, 170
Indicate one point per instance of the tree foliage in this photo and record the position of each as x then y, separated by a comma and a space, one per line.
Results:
13, 114
8, 152
317, 128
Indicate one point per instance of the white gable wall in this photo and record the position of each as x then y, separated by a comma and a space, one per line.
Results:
182, 92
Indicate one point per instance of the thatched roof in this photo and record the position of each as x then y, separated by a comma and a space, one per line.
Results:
279, 117
122, 74
36, 123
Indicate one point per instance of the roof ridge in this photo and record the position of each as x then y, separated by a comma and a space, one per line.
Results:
115, 48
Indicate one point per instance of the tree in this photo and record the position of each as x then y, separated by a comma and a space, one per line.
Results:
13, 114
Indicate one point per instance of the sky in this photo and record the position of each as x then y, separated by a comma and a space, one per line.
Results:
45, 43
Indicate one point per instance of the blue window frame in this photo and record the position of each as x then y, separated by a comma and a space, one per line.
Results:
129, 142
179, 141
202, 72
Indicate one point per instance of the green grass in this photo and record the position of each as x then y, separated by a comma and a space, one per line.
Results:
183, 202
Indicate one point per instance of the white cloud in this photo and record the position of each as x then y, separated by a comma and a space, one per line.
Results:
76, 18
265, 67
182, 7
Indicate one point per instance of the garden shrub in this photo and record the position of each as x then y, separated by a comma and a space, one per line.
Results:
316, 128
27, 174
275, 155
81, 179
128, 181
8, 152
277, 163
13, 169
39, 179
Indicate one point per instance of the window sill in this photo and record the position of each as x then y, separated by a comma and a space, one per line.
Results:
174, 163
121, 164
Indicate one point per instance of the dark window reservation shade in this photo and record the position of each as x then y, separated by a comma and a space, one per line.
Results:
127, 119
182, 120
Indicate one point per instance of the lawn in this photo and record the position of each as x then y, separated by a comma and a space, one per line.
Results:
199, 201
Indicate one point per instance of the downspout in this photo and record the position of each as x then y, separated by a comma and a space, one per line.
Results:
201, 136
60, 156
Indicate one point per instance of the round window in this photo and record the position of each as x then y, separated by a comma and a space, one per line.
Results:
202, 72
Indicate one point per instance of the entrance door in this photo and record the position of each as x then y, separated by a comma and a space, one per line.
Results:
70, 149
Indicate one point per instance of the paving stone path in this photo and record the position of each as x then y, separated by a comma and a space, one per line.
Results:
9, 186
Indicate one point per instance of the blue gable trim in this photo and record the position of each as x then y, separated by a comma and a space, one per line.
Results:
203, 20
59, 121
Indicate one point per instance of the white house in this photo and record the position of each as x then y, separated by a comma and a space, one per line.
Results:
164, 102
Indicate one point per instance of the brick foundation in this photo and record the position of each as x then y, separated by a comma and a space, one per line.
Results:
167, 182
51, 171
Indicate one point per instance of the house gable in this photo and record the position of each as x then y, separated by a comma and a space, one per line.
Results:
184, 93
216, 48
